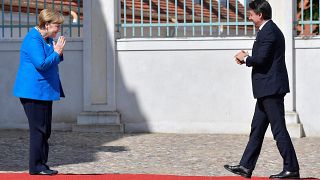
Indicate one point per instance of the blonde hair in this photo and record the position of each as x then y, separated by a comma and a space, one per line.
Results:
49, 16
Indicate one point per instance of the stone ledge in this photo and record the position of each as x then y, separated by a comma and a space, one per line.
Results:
291, 117
99, 128
100, 117
98, 121
295, 130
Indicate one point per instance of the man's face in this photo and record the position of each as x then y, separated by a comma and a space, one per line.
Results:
255, 18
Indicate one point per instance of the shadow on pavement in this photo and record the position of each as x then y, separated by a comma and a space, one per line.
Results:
65, 148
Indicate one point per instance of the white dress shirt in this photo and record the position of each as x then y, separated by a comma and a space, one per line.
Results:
261, 26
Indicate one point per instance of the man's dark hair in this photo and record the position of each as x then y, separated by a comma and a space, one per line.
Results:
261, 7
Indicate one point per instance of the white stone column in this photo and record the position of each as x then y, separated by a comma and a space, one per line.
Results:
99, 55
283, 14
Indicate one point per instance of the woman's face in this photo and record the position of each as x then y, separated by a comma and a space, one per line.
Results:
52, 29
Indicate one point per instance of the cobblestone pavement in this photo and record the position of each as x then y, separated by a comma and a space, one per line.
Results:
178, 154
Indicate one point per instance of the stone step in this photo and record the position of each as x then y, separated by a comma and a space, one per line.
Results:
102, 117
99, 128
291, 117
295, 130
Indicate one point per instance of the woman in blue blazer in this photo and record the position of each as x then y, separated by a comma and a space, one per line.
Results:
38, 84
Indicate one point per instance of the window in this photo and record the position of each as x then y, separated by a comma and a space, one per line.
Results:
17, 17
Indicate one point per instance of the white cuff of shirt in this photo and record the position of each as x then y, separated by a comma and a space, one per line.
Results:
245, 58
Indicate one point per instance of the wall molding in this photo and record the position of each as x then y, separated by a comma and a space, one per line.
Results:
185, 44
307, 42
73, 44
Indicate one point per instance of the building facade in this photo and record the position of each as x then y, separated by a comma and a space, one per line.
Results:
165, 85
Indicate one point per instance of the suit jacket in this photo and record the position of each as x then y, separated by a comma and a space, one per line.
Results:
38, 73
269, 72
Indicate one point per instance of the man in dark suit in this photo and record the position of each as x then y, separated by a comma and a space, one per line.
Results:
270, 84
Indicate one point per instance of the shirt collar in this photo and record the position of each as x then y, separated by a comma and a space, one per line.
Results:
264, 24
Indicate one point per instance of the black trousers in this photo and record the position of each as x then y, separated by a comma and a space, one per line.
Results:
270, 109
39, 114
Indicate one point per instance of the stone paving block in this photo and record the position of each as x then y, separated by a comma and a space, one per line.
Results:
178, 154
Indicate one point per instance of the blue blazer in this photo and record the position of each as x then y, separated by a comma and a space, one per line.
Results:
38, 73
269, 72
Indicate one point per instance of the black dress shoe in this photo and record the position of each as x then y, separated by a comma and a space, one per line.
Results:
286, 174
240, 170
45, 172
